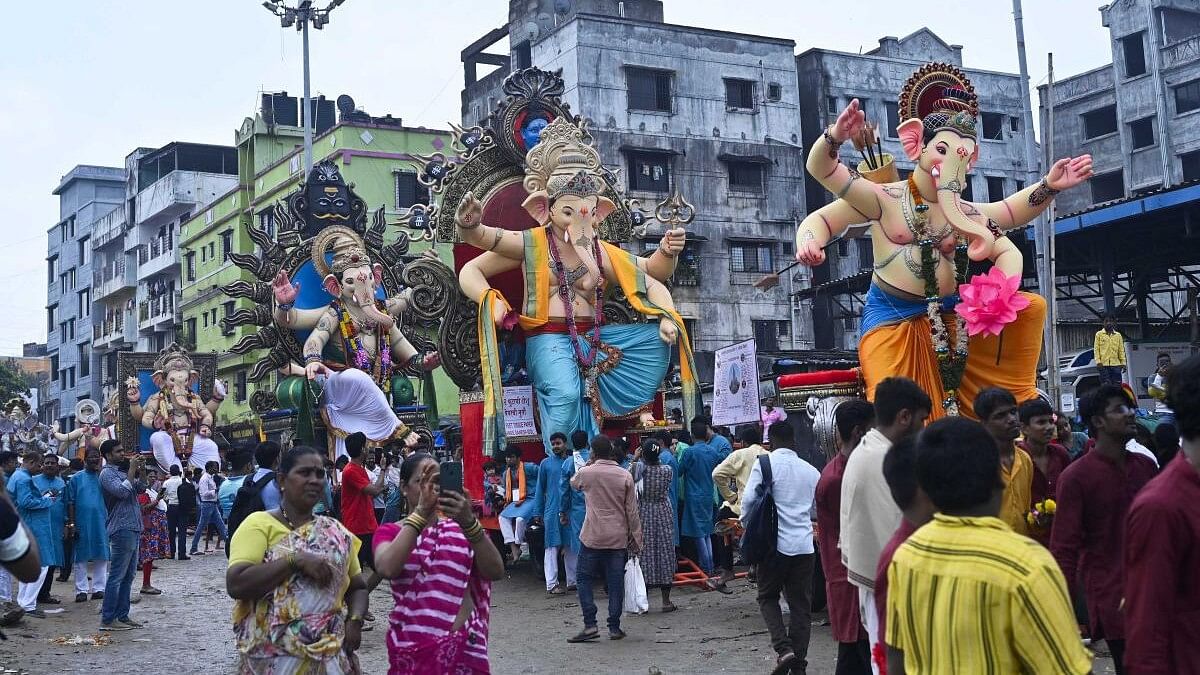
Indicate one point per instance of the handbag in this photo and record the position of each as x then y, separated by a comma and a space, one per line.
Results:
761, 537
636, 601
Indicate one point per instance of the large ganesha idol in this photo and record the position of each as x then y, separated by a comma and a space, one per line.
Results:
923, 318
19, 428
181, 420
582, 369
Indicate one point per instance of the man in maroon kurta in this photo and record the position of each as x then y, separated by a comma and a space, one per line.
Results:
1094, 495
852, 419
1162, 552
1038, 429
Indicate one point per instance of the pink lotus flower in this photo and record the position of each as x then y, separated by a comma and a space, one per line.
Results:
990, 302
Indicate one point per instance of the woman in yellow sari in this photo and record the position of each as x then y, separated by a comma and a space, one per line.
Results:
292, 574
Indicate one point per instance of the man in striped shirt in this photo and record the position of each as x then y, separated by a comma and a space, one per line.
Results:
966, 593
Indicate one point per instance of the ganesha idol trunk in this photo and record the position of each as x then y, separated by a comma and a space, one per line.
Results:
885, 173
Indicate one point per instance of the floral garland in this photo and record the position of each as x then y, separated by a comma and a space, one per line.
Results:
353, 345
586, 361
183, 445
952, 364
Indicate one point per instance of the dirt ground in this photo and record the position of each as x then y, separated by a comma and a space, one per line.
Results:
188, 631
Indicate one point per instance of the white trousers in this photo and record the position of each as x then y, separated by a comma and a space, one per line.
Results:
513, 530
97, 569
204, 450
6, 582
870, 620
550, 565
27, 594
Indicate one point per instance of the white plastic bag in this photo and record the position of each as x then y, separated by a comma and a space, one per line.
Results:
636, 601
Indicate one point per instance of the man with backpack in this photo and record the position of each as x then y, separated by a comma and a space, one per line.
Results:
259, 491
788, 487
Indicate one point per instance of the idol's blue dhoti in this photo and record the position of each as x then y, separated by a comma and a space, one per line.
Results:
633, 362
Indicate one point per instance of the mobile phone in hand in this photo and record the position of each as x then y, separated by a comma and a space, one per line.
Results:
451, 477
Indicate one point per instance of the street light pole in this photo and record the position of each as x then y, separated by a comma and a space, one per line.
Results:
305, 12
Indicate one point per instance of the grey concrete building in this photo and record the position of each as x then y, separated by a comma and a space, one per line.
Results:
712, 113
137, 264
829, 80
86, 194
1138, 116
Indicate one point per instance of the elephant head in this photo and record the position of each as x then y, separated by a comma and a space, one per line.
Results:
939, 107
565, 183
173, 371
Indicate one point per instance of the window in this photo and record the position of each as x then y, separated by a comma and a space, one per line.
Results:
226, 244
1135, 54
993, 126
205, 315
866, 254
649, 171
54, 367
70, 228
189, 265
746, 176
203, 254
239, 388
995, 188
70, 330
1187, 97
522, 56
62, 233
70, 282
51, 269
1020, 185
1107, 187
1191, 165
409, 191
739, 94
774, 92
1100, 122
227, 308
85, 359
767, 334
51, 317
968, 192
831, 105
189, 329
213, 316
71, 377
85, 250
1014, 124
1141, 132
85, 302
266, 220
212, 250
751, 257
893, 118
649, 89
843, 248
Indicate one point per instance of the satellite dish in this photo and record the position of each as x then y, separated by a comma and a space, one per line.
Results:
532, 31
562, 6
345, 104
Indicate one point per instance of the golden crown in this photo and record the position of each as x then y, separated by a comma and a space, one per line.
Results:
564, 162
348, 251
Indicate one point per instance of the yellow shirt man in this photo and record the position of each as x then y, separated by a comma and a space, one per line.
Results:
1018, 491
969, 595
1109, 349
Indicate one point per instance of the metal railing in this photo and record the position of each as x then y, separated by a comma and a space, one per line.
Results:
158, 246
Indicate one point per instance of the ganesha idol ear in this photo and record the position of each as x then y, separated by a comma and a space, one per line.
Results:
332, 285
911, 132
604, 206
377, 272
537, 204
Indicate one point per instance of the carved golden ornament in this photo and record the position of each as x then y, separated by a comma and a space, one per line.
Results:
563, 162
348, 251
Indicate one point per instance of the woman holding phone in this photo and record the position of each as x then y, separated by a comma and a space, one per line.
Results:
440, 546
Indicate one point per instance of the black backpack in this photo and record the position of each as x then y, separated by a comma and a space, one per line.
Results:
760, 540
248, 500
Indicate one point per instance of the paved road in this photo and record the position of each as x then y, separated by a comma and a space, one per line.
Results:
188, 631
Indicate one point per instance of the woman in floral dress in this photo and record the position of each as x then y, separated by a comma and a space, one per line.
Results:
658, 524
156, 540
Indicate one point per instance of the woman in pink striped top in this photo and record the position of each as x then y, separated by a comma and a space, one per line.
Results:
441, 569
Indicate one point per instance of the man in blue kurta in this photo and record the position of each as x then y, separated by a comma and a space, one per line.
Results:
50, 481
34, 509
520, 485
86, 515
571, 508
700, 494
545, 510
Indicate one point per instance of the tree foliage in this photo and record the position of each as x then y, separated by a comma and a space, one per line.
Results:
13, 382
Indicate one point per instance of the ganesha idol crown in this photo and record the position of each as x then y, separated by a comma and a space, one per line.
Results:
172, 358
942, 97
348, 251
563, 162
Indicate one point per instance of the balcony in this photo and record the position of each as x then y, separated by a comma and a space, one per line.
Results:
111, 333
1180, 53
110, 228
156, 256
155, 312
178, 192
111, 279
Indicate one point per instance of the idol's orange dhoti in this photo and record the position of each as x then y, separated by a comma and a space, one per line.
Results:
1009, 361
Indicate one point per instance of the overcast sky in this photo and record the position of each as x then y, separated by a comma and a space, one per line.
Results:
88, 81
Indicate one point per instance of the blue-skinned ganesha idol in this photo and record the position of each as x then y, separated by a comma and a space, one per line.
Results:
582, 369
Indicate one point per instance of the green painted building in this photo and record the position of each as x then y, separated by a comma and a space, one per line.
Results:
373, 154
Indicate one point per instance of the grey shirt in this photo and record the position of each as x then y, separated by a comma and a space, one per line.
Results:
120, 496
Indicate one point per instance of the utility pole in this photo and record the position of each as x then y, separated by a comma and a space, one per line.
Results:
300, 16
1054, 379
